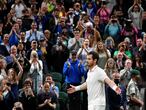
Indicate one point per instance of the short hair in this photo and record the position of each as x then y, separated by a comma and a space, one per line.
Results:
94, 55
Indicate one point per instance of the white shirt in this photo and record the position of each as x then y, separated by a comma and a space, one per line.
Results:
37, 35
96, 86
18, 9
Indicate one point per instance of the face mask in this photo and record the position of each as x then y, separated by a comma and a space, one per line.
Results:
117, 81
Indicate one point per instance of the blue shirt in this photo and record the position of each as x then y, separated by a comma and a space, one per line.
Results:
74, 73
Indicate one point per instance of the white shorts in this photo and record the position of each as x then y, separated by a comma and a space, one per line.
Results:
96, 107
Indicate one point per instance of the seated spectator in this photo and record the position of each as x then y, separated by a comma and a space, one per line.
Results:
27, 96
47, 99
8, 96
53, 88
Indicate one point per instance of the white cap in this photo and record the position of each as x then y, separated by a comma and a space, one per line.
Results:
88, 24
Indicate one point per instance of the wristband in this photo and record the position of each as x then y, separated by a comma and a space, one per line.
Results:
77, 88
114, 87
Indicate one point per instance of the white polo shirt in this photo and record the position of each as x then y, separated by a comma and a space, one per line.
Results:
96, 86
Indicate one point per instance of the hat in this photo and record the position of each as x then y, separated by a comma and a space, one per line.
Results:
135, 72
73, 52
88, 24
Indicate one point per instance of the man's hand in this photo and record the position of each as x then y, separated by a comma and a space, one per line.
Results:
71, 89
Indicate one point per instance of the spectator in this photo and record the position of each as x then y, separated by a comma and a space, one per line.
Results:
14, 35
18, 105
8, 96
27, 96
33, 34
76, 42
104, 54
59, 53
4, 46
133, 93
47, 99
34, 47
110, 45
126, 72
120, 61
14, 78
110, 66
130, 31
73, 71
36, 71
135, 14
117, 102
53, 88
91, 33
18, 6
122, 49
113, 29
82, 52
2, 69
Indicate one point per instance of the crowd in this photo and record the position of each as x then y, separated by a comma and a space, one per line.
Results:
44, 46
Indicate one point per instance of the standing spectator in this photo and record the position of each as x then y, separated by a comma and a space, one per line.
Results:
110, 45
90, 8
120, 61
35, 47
135, 14
4, 46
36, 71
2, 68
76, 42
104, 54
33, 33
14, 78
59, 53
116, 101
113, 29
26, 20
126, 72
83, 51
14, 35
122, 49
130, 31
95, 84
133, 93
90, 33
73, 71
104, 14
118, 10
18, 6
110, 66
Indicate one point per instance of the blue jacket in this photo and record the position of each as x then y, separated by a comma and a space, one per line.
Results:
74, 73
